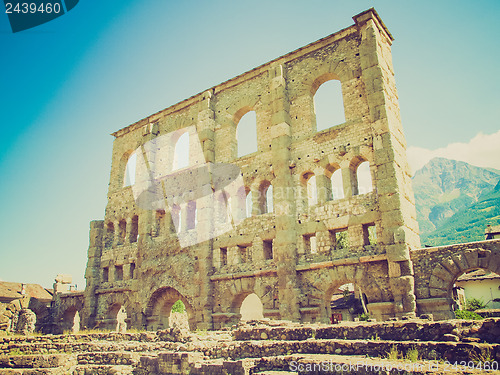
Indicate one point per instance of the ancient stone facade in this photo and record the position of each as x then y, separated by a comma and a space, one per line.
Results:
289, 253
287, 256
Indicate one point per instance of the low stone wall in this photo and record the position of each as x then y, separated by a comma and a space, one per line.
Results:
487, 330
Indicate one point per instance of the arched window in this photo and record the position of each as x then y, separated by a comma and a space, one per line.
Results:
134, 229
223, 207
110, 235
337, 185
329, 105
364, 178
246, 133
122, 227
181, 153
129, 179
241, 204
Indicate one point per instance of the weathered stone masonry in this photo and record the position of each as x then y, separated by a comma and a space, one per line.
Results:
135, 261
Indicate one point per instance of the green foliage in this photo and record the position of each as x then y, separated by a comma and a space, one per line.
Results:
372, 235
178, 307
363, 317
482, 357
342, 240
468, 315
394, 354
413, 355
201, 332
17, 351
474, 304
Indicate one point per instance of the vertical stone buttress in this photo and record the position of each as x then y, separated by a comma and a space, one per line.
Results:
93, 272
206, 131
285, 244
393, 183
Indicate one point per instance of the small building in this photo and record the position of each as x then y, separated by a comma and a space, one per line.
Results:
492, 232
15, 296
483, 285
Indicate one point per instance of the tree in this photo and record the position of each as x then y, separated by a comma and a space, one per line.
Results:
474, 304
178, 307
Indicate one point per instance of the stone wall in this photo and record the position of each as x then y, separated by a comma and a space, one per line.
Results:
136, 264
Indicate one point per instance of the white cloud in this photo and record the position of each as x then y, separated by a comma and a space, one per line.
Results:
483, 151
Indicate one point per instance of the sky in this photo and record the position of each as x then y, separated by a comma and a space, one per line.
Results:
69, 83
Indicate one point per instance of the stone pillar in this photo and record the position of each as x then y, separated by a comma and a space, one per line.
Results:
256, 201
347, 181
128, 229
323, 188
93, 272
399, 227
285, 243
206, 129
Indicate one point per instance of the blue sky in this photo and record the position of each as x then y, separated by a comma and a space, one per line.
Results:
68, 84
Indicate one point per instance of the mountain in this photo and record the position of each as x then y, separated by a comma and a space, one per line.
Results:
455, 201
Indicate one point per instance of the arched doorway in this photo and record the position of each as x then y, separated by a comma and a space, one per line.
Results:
117, 318
346, 303
71, 320
160, 307
251, 308
474, 292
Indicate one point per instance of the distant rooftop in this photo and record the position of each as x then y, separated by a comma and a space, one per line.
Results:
480, 274
10, 291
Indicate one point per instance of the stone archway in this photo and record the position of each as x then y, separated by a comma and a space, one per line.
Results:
448, 270
160, 306
71, 320
324, 283
117, 318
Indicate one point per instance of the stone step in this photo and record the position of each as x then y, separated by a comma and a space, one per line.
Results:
108, 358
487, 330
95, 346
35, 371
36, 361
103, 370
452, 351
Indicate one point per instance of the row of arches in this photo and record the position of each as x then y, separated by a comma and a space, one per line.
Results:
332, 184
328, 185
121, 232
328, 109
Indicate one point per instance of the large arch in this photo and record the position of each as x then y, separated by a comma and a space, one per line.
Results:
71, 320
116, 318
445, 273
160, 305
323, 283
